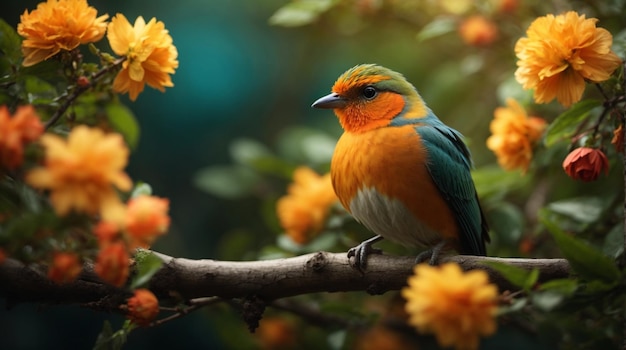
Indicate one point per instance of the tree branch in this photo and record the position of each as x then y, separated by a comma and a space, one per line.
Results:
184, 279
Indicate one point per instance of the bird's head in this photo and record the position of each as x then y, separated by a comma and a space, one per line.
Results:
369, 96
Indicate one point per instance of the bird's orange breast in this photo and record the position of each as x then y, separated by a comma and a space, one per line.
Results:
391, 161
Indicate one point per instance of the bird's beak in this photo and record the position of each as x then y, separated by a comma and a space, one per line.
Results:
331, 101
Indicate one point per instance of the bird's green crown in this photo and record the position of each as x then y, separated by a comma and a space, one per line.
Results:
384, 79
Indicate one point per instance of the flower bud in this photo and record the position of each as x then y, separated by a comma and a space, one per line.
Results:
64, 268
585, 164
143, 307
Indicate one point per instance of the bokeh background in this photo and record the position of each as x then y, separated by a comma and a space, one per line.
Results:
241, 78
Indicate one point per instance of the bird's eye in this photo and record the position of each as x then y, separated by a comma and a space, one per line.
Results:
369, 92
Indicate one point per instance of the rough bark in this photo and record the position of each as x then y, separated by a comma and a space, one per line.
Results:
185, 279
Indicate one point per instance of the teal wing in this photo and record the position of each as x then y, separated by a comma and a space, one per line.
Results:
449, 165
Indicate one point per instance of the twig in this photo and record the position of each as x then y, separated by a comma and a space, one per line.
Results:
79, 90
194, 304
315, 316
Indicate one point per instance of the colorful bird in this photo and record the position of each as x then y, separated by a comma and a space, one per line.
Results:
399, 170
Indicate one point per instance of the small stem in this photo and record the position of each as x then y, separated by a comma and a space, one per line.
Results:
80, 90
194, 304
315, 316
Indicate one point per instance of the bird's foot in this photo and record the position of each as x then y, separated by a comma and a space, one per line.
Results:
431, 254
361, 252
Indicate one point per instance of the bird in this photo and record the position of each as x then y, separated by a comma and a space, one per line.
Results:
399, 170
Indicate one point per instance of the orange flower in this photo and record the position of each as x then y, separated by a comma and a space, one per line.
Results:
15, 132
478, 31
562, 51
58, 25
585, 164
143, 307
106, 232
302, 212
618, 139
507, 6
146, 218
150, 54
513, 135
112, 263
276, 333
65, 267
83, 171
457, 307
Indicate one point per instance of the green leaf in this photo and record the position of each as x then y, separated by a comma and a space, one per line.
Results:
10, 43
584, 210
518, 276
614, 241
147, 264
494, 182
507, 221
285, 242
546, 300
566, 123
584, 259
337, 339
141, 189
107, 340
123, 121
565, 286
306, 145
246, 151
300, 13
228, 182
437, 27
38, 91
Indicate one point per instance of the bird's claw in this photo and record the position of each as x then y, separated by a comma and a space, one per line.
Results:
360, 254
431, 254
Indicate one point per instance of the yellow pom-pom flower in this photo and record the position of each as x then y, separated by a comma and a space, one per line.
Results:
560, 53
514, 134
303, 211
457, 307
58, 25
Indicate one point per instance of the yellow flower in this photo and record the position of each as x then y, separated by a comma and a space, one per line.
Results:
562, 51
150, 54
457, 307
83, 171
514, 135
302, 212
58, 25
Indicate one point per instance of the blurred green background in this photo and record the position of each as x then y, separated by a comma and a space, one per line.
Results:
240, 77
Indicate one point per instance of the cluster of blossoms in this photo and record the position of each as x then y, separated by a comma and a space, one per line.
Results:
556, 59
514, 135
457, 307
82, 174
303, 211
147, 48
